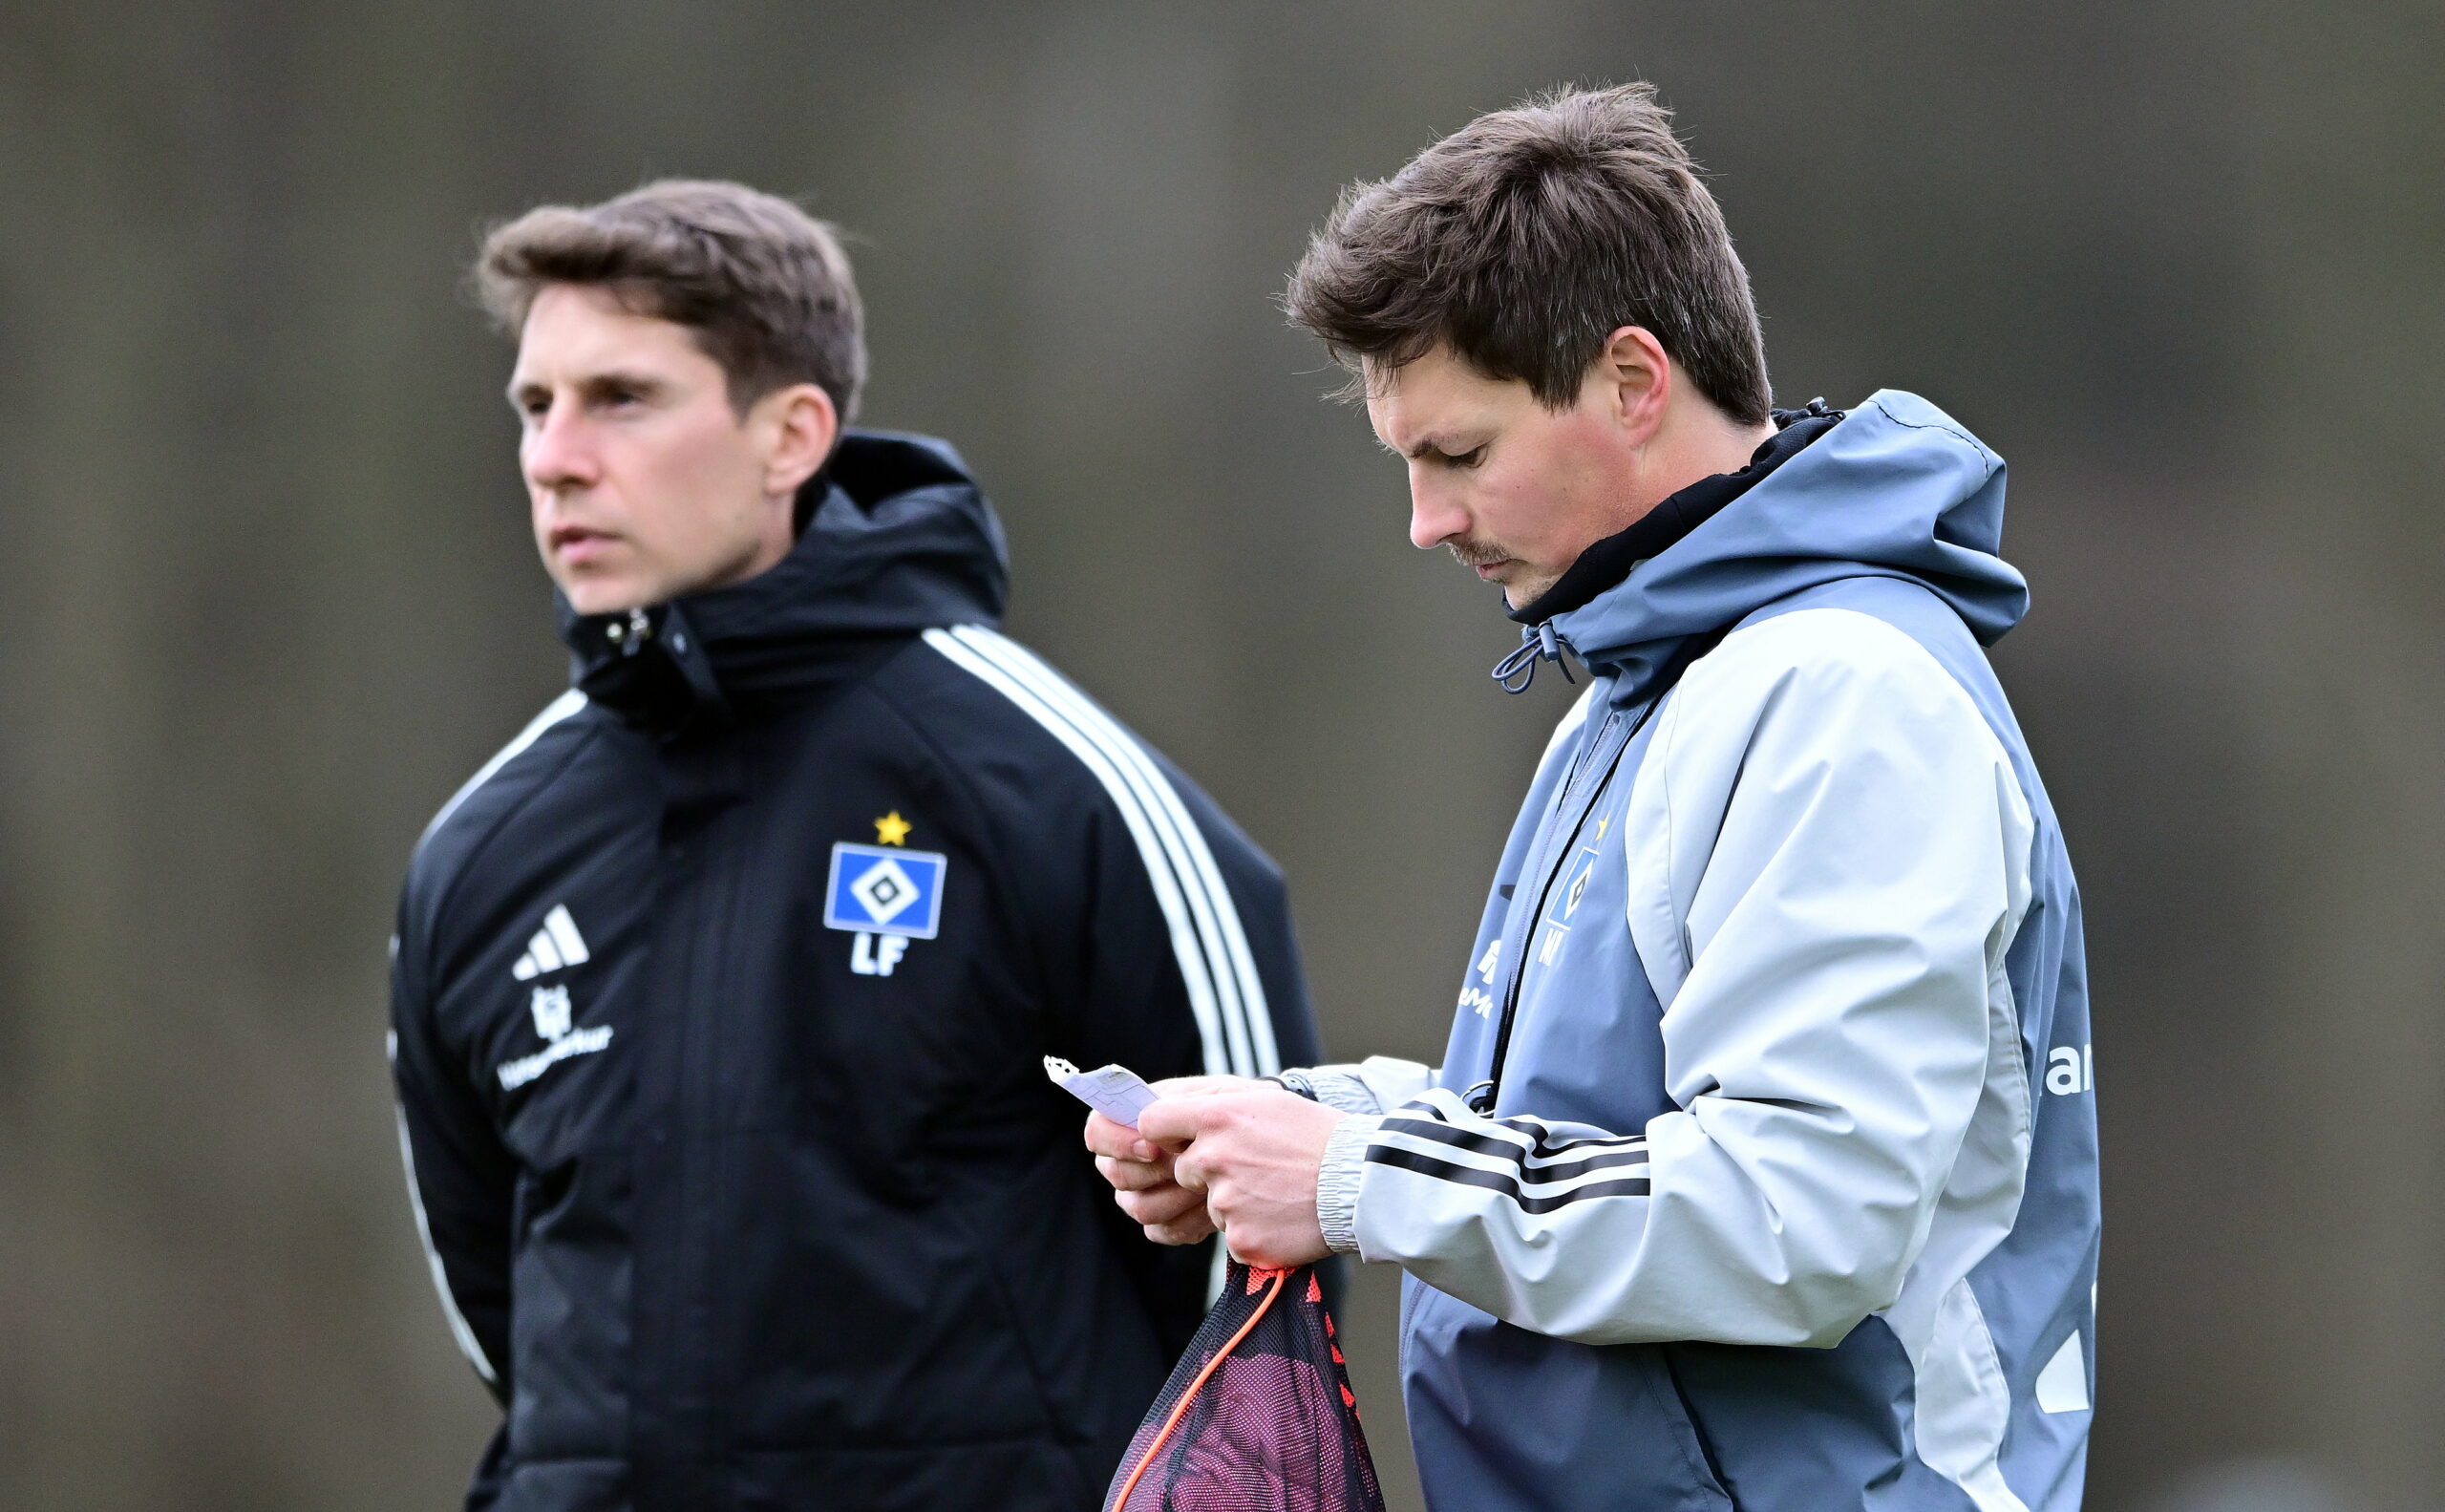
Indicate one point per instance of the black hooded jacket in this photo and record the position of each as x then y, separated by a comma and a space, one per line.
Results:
719, 1003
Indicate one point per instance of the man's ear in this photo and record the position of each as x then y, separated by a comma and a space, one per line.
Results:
1638, 376
797, 426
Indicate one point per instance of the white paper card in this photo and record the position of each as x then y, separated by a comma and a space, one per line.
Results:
1113, 1091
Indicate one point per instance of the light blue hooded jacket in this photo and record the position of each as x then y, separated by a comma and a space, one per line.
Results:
1786, 1199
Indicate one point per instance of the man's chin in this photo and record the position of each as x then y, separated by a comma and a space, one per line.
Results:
592, 596
1518, 596
1519, 590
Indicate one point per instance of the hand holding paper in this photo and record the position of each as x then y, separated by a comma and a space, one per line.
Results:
1229, 1150
1140, 1169
1115, 1091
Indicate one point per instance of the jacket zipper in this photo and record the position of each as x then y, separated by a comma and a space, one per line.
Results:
1481, 1097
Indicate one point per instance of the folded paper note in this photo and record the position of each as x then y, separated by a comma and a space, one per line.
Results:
1113, 1091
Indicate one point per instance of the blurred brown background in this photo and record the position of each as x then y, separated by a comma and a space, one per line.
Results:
266, 599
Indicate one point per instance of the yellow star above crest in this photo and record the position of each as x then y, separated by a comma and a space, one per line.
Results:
892, 830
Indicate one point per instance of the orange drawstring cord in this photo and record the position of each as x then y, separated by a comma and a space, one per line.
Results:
1120, 1503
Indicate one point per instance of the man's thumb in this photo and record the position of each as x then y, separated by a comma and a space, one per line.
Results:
1170, 1120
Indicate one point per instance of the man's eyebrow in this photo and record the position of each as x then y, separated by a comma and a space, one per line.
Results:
620, 378
595, 382
1423, 445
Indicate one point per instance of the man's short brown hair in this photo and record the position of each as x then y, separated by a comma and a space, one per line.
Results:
1525, 238
763, 284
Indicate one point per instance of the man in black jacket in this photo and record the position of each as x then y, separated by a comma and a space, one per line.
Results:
719, 996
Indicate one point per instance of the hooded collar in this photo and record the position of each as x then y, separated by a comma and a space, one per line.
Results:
1897, 488
898, 539
1611, 560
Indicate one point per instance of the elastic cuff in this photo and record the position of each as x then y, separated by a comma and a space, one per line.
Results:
1338, 1181
1339, 1089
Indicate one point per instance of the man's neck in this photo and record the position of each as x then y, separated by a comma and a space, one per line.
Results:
1709, 480
1703, 443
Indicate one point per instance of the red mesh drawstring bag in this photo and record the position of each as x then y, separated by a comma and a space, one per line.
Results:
1258, 1416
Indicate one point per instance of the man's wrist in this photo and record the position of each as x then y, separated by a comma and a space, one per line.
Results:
1338, 1178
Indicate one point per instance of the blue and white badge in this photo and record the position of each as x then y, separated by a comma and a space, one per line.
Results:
1574, 887
878, 889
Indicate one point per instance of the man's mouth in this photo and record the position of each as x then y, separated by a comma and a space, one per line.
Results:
578, 545
1486, 561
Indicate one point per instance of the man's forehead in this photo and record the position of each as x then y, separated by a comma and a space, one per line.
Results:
572, 329
1397, 402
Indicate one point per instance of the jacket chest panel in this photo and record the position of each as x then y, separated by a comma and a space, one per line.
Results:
1587, 1038
737, 997
1586, 1041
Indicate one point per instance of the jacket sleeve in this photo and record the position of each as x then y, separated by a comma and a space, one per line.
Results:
1829, 855
1190, 968
1377, 1084
1194, 965
1184, 960
462, 1181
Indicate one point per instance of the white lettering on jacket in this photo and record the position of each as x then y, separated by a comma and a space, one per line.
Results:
2070, 1068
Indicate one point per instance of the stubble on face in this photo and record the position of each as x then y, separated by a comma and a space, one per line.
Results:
1471, 552
1480, 480
1514, 489
1522, 587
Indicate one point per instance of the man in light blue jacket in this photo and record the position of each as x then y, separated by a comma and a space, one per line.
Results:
1760, 1171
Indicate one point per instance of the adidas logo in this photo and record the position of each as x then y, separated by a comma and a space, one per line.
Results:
556, 944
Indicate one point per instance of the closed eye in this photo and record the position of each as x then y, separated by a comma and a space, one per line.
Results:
1434, 454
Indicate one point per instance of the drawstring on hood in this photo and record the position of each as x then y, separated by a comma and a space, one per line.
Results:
1538, 643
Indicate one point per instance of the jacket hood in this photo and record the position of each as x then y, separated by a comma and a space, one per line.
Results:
897, 538
1896, 489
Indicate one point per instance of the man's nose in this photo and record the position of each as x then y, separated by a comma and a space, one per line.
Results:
1435, 518
555, 452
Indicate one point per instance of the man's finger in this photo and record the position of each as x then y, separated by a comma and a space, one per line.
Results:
1169, 1204
1192, 1229
1118, 1140
1203, 1086
1176, 1121
1134, 1176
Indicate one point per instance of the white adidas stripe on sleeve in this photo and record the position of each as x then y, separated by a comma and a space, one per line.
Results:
558, 710
1202, 880
1159, 869
1225, 994
459, 1330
